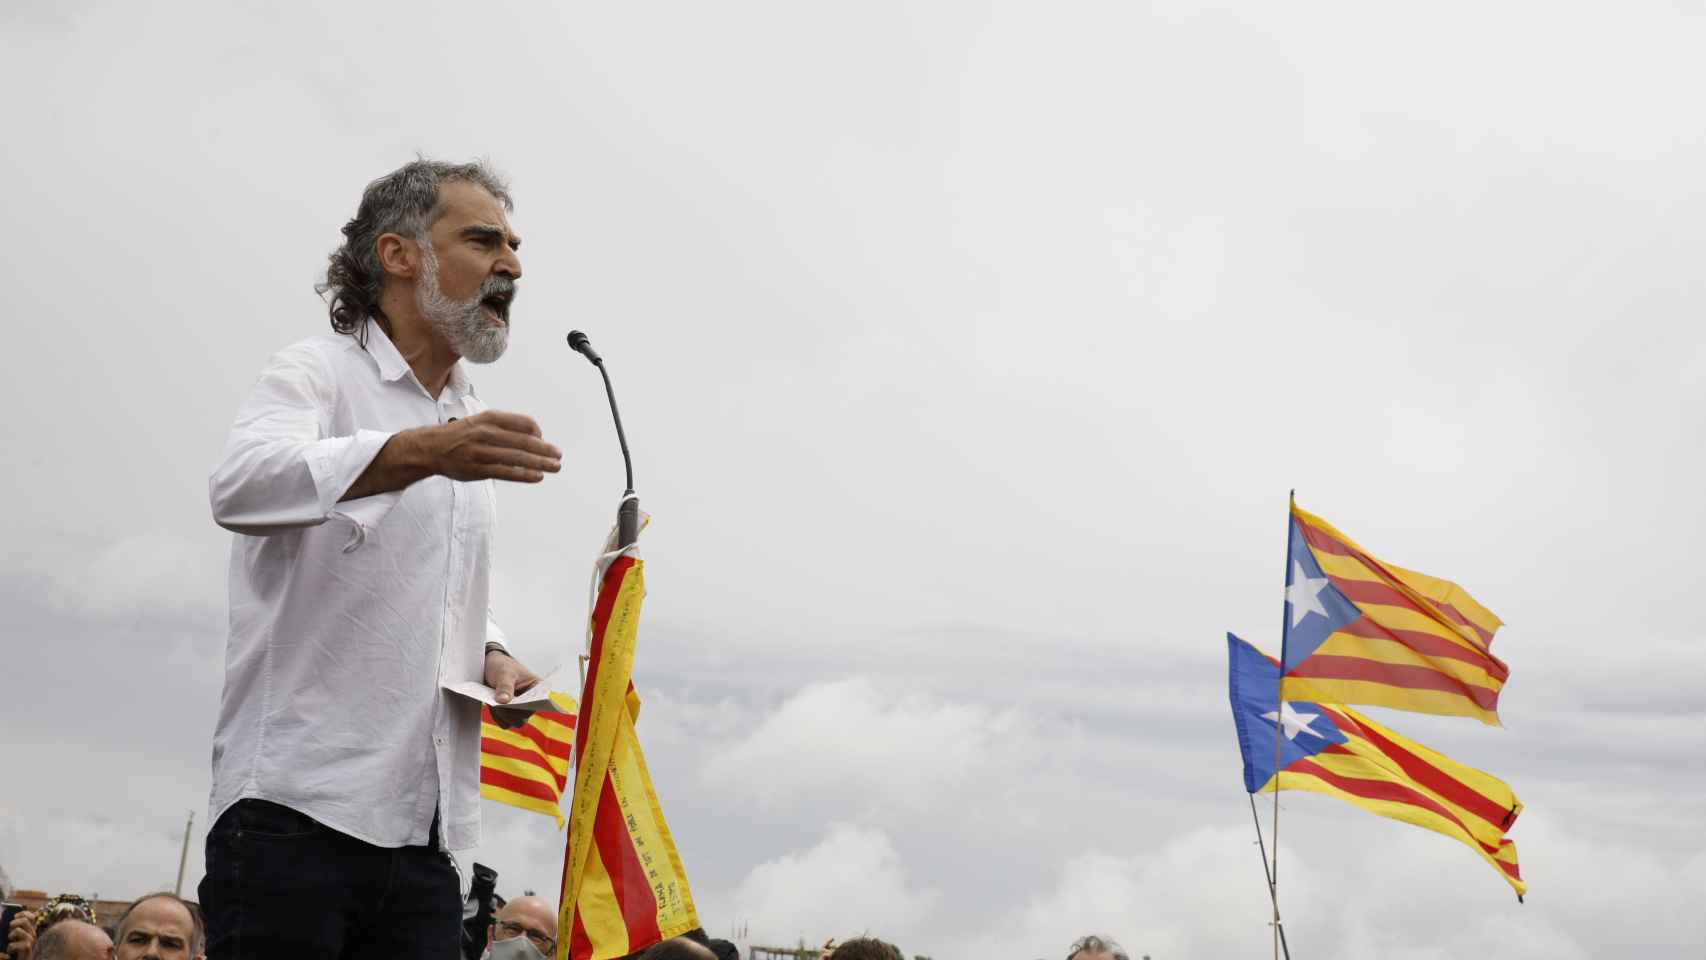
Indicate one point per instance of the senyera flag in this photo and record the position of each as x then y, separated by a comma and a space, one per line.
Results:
1366, 632
624, 888
528, 766
1331, 749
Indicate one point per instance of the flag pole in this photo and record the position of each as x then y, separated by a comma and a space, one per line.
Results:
184, 856
1279, 727
1257, 820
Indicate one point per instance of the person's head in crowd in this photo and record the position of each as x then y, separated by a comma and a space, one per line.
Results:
680, 948
159, 926
723, 949
73, 939
521, 925
867, 948
66, 906
19, 938
1095, 947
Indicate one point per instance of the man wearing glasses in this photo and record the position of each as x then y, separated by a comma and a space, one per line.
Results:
523, 929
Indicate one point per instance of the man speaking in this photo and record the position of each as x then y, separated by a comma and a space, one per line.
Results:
358, 481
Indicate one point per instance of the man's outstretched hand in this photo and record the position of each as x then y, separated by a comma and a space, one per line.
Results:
508, 677
491, 445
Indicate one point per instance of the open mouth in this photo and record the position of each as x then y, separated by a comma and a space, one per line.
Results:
497, 304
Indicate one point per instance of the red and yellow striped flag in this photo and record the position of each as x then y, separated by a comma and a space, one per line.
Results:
1332, 749
624, 888
528, 766
1386, 773
1362, 631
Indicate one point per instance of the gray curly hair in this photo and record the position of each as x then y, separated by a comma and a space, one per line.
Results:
404, 201
1094, 945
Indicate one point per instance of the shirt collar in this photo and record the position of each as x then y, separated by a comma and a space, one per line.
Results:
393, 367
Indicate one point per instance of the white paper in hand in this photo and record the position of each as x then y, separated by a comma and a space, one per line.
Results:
537, 697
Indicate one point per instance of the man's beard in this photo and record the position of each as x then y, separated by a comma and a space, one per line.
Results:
463, 323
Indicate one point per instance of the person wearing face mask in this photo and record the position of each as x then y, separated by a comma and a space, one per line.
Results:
523, 929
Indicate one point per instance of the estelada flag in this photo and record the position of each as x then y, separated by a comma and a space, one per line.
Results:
1366, 632
1332, 749
624, 888
528, 766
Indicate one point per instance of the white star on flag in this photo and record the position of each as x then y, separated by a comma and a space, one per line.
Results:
1293, 722
1304, 595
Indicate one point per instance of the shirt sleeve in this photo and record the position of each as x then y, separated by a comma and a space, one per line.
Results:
495, 634
280, 471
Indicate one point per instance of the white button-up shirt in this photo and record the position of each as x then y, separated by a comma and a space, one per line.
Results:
347, 617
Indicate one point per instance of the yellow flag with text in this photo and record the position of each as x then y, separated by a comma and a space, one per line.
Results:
624, 888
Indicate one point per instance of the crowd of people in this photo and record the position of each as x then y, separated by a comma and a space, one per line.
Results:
164, 926
156, 926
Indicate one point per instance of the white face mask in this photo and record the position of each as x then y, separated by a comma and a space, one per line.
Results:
515, 948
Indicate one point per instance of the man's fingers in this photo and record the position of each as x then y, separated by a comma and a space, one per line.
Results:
504, 471
519, 458
505, 686
492, 457
523, 441
518, 422
509, 719
495, 444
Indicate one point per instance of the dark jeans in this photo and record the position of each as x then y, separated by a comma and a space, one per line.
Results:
279, 884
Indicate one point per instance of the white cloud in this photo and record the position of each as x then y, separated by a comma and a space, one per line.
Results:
857, 737
850, 882
1199, 894
153, 576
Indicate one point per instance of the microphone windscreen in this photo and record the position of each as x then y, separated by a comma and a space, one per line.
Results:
583, 346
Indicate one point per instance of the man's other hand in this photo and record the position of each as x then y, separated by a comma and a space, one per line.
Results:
508, 677
493, 445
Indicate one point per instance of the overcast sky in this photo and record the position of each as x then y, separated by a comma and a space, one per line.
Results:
968, 351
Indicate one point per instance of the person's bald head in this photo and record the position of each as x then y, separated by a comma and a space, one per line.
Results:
531, 917
73, 940
159, 926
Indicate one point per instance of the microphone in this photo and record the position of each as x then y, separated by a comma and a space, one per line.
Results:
628, 514
581, 345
